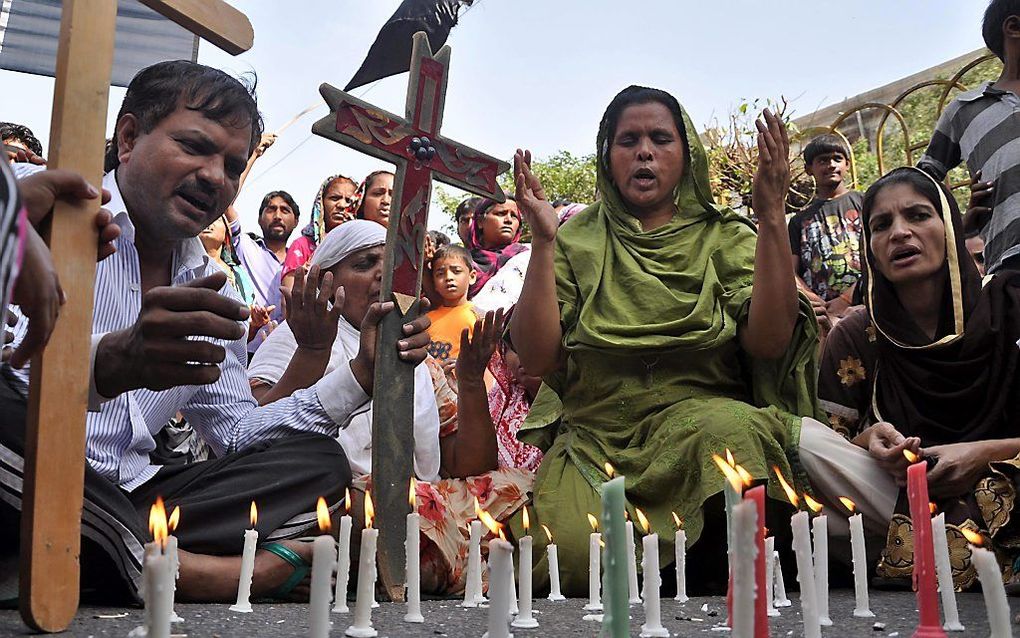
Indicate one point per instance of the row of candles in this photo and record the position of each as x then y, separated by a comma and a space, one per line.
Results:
754, 566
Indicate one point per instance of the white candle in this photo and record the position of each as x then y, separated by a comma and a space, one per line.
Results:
632, 580
780, 599
650, 570
525, 619
158, 599
251, 539
862, 604
413, 552
343, 566
362, 627
944, 571
174, 567
323, 561
594, 569
805, 575
820, 530
554, 568
500, 569
996, 605
473, 584
680, 542
770, 576
514, 609
744, 551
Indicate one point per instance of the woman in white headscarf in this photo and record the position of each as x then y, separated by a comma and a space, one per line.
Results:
351, 257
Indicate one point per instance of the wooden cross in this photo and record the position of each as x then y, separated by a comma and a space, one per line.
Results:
420, 152
58, 392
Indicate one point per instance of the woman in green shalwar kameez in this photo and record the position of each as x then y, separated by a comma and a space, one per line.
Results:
663, 355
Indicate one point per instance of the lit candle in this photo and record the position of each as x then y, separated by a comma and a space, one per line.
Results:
632, 580
820, 532
501, 567
862, 606
554, 567
770, 576
988, 572
745, 523
944, 571
174, 563
473, 584
805, 568
157, 577
616, 621
362, 627
343, 559
680, 548
412, 547
652, 581
924, 550
780, 599
594, 567
732, 497
525, 619
323, 562
251, 539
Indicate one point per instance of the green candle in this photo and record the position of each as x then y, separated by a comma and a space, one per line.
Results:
616, 592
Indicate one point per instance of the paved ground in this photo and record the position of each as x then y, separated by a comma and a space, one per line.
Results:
445, 618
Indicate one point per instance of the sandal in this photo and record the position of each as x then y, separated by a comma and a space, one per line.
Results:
301, 569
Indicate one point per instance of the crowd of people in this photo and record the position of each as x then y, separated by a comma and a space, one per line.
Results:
645, 331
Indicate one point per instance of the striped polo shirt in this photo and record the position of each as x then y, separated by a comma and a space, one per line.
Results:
982, 128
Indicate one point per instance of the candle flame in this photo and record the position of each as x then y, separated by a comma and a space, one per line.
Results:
643, 520
594, 522
729, 472
847, 503
602, 544
412, 494
729, 458
253, 514
814, 505
494, 526
158, 522
609, 470
913, 458
369, 510
322, 512
502, 536
527, 520
478, 509
175, 519
790, 492
745, 476
676, 519
932, 508
347, 499
548, 534
973, 537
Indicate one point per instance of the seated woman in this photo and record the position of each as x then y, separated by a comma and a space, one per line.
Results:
373, 199
931, 365
495, 235
457, 442
331, 208
639, 313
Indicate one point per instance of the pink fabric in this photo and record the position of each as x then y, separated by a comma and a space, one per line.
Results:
300, 251
508, 407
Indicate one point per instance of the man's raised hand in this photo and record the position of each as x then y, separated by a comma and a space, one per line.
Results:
537, 210
160, 350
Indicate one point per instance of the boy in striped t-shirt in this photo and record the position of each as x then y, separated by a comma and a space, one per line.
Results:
982, 128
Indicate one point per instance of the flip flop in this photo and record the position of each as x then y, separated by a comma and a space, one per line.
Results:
301, 569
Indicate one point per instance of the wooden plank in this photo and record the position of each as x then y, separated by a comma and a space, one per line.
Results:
55, 433
213, 20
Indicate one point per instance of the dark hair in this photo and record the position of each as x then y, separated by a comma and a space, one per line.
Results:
484, 204
903, 175
996, 14
360, 212
439, 239
285, 196
467, 207
823, 145
453, 251
634, 96
21, 133
158, 90
339, 179
560, 201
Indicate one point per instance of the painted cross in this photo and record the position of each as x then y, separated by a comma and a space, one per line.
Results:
53, 494
421, 154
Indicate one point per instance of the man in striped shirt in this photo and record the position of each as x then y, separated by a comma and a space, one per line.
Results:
168, 336
982, 128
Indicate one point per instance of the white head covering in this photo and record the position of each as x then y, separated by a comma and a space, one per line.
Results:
347, 239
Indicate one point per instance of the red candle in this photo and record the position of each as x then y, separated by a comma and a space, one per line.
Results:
761, 612
924, 549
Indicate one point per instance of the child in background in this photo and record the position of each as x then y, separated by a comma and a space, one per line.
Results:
453, 272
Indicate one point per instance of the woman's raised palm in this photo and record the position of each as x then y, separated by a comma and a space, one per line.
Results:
531, 200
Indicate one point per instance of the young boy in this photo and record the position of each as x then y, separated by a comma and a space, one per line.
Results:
826, 235
453, 272
980, 128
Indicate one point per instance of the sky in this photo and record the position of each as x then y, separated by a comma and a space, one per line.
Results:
539, 73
